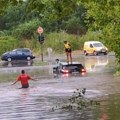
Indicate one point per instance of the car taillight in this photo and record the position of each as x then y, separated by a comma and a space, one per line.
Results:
83, 73
83, 70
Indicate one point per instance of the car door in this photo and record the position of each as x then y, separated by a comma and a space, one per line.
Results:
19, 55
12, 55
91, 49
26, 53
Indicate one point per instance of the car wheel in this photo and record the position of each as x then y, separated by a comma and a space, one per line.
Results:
105, 53
85, 53
9, 59
95, 53
28, 58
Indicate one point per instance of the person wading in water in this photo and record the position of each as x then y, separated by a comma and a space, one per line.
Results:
68, 51
24, 78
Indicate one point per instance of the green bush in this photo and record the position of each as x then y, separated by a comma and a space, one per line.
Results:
2, 33
7, 43
56, 40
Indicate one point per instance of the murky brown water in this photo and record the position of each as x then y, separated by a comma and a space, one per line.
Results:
36, 102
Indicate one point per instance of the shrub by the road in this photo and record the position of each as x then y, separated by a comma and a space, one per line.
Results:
7, 43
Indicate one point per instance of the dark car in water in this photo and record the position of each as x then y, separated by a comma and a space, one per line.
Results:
18, 54
65, 68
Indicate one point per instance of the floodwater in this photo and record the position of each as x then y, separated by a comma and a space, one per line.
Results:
36, 102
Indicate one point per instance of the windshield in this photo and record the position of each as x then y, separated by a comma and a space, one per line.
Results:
73, 66
98, 45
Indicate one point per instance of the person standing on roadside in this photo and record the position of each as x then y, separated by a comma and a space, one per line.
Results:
68, 51
24, 78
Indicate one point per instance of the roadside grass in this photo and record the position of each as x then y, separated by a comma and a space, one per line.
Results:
40, 63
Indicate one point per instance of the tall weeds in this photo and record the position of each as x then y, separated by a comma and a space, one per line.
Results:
52, 40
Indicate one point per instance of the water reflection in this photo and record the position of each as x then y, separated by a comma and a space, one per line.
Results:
36, 102
94, 64
17, 63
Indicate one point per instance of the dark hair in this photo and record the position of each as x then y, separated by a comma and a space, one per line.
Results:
65, 42
57, 60
22, 71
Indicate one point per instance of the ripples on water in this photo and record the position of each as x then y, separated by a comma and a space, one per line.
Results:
36, 103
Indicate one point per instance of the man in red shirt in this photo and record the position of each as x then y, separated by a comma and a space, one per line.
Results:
24, 79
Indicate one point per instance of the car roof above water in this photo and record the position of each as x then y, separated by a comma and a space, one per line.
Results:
92, 42
73, 63
22, 49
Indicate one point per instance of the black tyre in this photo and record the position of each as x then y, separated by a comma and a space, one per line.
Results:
85, 53
95, 53
28, 58
105, 53
9, 59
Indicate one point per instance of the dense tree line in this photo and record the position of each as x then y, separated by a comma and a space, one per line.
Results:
52, 15
73, 16
106, 19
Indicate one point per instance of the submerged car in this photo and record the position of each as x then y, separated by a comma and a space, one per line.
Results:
18, 54
65, 68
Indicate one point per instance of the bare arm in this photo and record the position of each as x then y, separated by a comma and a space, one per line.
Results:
33, 79
14, 82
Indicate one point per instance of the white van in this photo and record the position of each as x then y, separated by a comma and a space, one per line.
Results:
94, 48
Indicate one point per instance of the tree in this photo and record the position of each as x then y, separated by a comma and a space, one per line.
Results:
104, 16
5, 3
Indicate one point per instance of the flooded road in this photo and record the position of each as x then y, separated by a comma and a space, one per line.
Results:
36, 102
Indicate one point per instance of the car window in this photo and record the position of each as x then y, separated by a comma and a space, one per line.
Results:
22, 50
26, 50
19, 53
19, 49
98, 45
91, 45
12, 52
73, 66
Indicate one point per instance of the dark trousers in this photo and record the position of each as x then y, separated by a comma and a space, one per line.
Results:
25, 86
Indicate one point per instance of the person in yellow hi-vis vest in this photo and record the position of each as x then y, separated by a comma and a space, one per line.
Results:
68, 51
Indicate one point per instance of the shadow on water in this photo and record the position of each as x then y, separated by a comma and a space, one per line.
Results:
36, 102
